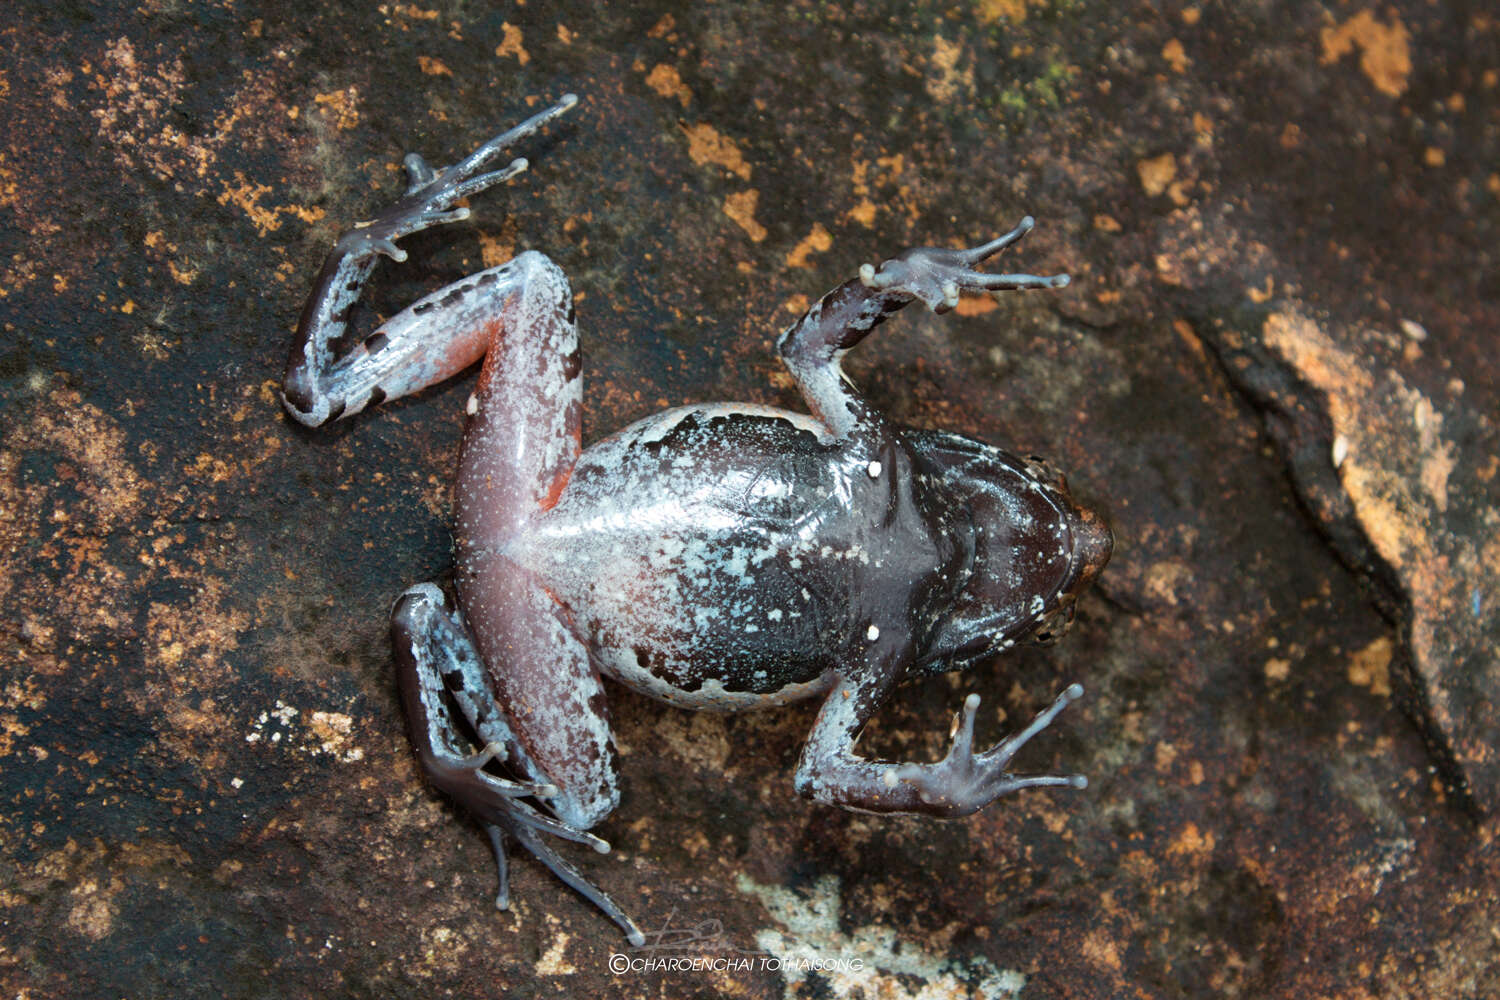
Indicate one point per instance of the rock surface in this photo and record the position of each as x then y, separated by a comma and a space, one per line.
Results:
1276, 370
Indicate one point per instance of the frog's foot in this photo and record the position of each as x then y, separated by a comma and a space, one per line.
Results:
938, 277
438, 667
432, 196
964, 782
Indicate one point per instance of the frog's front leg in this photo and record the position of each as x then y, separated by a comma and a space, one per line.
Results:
961, 783
812, 348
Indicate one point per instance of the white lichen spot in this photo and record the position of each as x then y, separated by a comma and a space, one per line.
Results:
873, 633
889, 778
874, 470
317, 734
870, 960
472, 406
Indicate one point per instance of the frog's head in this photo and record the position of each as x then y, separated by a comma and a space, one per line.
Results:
1031, 550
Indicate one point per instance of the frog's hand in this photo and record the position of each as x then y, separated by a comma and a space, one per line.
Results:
830, 771
326, 378
813, 346
439, 669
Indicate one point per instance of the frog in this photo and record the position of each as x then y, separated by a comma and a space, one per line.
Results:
716, 557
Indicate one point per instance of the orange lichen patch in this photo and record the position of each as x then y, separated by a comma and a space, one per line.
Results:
1370, 667
863, 213
1157, 173
414, 12
975, 305
990, 11
667, 82
1190, 840
1175, 55
136, 119
510, 44
185, 643
741, 208
496, 249
339, 107
65, 522
1385, 56
1099, 948
246, 196
816, 241
433, 67
706, 145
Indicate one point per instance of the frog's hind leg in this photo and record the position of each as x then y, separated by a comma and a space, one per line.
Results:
439, 667
326, 376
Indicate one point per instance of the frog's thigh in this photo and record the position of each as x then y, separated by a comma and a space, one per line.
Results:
551, 693
526, 413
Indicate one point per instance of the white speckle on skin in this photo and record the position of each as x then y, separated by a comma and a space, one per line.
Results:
873, 633
472, 406
889, 779
874, 470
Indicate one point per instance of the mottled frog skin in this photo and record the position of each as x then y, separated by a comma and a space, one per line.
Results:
717, 557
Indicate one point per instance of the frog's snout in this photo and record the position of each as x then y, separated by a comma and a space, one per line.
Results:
1092, 544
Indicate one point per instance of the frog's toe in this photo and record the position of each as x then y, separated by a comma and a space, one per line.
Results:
580, 884
502, 865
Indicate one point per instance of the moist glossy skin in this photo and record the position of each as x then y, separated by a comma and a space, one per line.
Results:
717, 557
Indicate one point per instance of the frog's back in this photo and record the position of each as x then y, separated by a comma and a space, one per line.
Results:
693, 550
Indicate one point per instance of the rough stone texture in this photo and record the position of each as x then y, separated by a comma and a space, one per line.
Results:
1276, 370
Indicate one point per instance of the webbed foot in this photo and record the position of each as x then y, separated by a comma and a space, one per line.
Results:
938, 277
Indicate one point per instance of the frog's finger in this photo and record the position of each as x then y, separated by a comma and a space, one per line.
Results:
979, 281
988, 250
1011, 782
418, 173
962, 735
